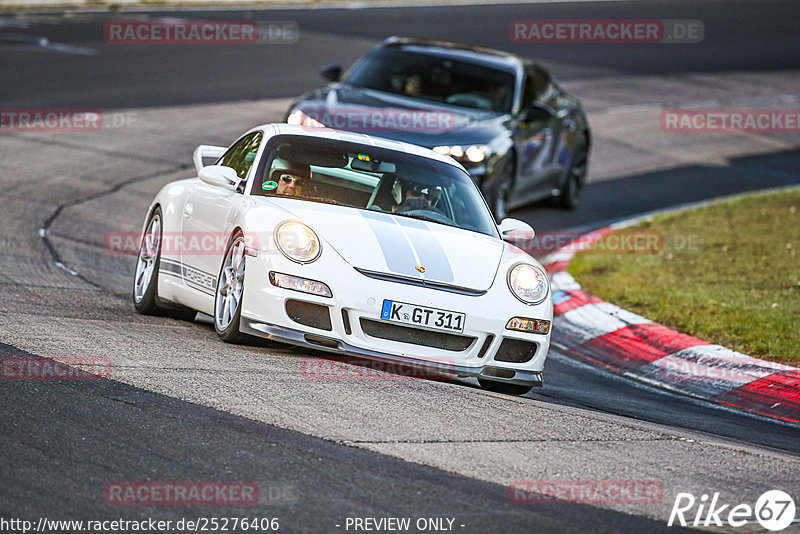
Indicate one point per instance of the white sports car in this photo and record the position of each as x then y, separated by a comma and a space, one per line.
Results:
351, 244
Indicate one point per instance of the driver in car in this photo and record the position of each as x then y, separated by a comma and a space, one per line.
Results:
414, 198
291, 177
289, 184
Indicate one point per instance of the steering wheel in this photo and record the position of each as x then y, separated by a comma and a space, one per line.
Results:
469, 100
430, 213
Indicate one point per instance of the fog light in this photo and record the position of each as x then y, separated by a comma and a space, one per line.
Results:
535, 326
295, 283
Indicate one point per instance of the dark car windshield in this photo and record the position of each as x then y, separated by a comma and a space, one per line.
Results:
434, 78
372, 178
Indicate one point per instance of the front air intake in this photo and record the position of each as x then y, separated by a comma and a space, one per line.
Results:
309, 314
416, 336
516, 351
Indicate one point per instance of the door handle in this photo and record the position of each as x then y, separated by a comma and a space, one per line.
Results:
188, 209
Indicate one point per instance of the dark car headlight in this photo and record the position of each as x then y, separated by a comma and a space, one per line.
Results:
462, 153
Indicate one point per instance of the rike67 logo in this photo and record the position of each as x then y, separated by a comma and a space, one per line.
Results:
774, 510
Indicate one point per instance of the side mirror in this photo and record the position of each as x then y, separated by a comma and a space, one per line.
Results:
220, 176
206, 151
537, 113
332, 73
515, 230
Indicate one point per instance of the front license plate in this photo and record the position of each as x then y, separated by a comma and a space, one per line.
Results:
403, 312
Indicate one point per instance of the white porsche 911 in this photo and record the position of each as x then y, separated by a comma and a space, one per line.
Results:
351, 244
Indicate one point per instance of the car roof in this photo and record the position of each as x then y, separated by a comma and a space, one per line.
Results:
474, 54
353, 137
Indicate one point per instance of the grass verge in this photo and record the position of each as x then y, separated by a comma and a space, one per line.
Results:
728, 273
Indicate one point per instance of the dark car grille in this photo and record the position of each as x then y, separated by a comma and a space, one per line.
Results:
416, 336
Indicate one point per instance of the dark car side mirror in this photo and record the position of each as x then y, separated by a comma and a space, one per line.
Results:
536, 113
332, 73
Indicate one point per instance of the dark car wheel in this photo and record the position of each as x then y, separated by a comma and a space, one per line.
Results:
497, 191
504, 387
570, 197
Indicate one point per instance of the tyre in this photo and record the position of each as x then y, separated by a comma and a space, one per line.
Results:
145, 278
570, 196
504, 387
229, 293
497, 191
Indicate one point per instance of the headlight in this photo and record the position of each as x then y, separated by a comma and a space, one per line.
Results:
297, 241
528, 283
298, 118
473, 153
304, 285
524, 324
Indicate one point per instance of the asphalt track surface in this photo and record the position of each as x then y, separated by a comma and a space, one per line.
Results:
186, 442
68, 438
739, 35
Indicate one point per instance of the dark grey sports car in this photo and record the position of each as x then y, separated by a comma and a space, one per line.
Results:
519, 134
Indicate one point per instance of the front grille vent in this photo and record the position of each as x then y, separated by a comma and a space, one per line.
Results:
416, 336
309, 314
516, 351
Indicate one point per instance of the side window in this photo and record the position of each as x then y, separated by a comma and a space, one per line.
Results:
240, 156
537, 87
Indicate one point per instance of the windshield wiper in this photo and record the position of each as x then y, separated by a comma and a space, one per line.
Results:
312, 199
427, 218
324, 200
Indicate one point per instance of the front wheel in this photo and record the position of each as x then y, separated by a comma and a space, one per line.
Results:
497, 192
230, 289
570, 197
504, 387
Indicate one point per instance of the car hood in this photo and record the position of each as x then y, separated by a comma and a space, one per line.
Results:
393, 245
357, 109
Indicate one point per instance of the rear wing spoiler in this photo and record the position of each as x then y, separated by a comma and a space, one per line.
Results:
206, 151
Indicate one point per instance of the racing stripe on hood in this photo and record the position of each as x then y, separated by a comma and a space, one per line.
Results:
404, 250
429, 251
397, 252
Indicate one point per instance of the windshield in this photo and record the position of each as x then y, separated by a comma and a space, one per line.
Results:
434, 78
378, 179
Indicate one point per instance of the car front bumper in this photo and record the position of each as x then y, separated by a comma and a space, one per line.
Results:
485, 347
332, 344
